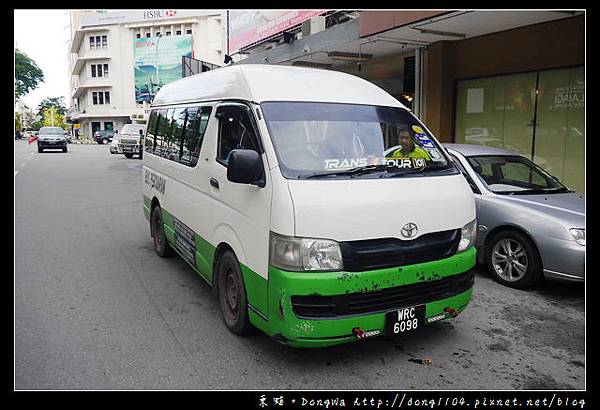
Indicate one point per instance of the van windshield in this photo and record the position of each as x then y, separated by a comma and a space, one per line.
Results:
331, 140
52, 130
131, 129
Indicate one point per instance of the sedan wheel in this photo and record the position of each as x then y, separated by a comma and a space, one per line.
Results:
513, 260
509, 260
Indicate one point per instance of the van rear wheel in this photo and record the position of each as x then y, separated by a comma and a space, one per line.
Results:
232, 295
161, 245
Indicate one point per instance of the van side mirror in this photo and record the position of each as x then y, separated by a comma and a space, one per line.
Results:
245, 167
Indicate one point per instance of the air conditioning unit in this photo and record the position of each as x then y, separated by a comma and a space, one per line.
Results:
313, 26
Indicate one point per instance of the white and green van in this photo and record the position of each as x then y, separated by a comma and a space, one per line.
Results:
319, 209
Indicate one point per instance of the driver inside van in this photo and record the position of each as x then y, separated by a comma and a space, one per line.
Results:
408, 148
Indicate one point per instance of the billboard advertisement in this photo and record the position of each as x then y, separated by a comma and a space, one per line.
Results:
157, 61
250, 26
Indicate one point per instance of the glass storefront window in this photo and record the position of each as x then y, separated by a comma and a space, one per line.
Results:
500, 111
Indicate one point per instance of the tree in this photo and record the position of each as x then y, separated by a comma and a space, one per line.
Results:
18, 121
57, 102
27, 74
52, 118
37, 125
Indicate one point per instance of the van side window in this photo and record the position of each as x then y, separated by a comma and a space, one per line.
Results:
162, 132
195, 126
151, 132
173, 138
235, 131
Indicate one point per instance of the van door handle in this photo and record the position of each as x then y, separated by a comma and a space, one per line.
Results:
214, 183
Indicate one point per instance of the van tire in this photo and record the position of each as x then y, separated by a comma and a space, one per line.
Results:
523, 246
129, 155
161, 245
232, 296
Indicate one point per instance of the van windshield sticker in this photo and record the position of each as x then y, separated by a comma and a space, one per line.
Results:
349, 163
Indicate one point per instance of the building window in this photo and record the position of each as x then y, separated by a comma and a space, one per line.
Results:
147, 34
499, 111
138, 35
101, 98
168, 33
178, 33
188, 31
98, 42
95, 98
99, 70
92, 43
157, 34
107, 97
104, 42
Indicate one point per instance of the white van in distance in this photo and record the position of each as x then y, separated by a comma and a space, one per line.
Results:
277, 186
131, 140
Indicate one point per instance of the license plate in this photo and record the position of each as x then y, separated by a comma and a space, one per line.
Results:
404, 320
127, 149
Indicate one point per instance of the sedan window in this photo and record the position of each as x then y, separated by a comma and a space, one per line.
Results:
508, 174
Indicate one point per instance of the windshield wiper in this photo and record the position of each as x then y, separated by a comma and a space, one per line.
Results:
411, 171
540, 191
352, 171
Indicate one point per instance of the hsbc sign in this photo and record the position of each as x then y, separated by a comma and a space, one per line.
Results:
122, 17
159, 14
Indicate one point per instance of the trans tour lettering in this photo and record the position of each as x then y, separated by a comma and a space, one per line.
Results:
154, 181
348, 163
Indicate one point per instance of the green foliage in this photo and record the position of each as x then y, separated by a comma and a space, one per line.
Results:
18, 122
57, 102
37, 125
53, 118
27, 74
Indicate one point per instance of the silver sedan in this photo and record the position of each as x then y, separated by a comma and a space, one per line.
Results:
530, 226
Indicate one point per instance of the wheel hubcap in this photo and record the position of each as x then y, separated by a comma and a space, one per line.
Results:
509, 260
231, 293
157, 233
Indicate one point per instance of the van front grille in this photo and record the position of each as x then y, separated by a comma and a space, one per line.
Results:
383, 253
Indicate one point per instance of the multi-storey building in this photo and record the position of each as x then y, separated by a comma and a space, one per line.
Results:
118, 59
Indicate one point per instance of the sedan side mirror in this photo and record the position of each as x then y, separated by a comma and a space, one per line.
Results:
245, 167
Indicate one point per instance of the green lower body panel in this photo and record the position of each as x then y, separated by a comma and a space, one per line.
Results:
285, 325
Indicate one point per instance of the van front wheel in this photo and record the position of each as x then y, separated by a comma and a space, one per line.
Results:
232, 295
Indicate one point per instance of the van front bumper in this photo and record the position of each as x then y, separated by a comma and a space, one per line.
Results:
310, 309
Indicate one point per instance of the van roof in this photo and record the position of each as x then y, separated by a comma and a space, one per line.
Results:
260, 82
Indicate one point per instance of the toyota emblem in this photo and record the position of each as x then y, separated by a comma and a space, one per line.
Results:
409, 230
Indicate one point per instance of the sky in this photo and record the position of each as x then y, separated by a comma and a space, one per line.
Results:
43, 36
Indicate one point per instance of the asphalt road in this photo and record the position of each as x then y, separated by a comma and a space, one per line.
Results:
95, 308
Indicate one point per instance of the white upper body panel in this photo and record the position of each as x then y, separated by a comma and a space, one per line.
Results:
258, 83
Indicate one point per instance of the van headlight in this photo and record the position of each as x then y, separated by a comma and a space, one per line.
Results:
467, 235
304, 254
578, 235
